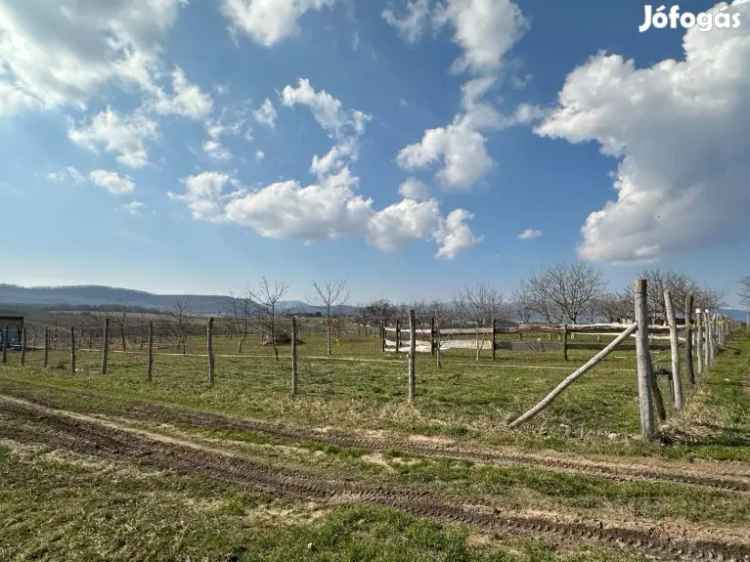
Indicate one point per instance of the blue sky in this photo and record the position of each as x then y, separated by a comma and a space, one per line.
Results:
139, 149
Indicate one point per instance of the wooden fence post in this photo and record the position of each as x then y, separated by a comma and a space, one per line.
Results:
699, 340
432, 335
72, 350
494, 329
382, 336
689, 337
643, 360
210, 350
398, 336
438, 361
565, 341
674, 346
150, 363
6, 334
412, 355
710, 337
295, 374
105, 346
23, 347
46, 347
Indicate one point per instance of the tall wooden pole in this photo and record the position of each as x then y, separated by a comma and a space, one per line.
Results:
23, 346
150, 362
432, 335
6, 334
699, 340
565, 341
210, 350
398, 336
709, 339
438, 361
382, 336
105, 346
72, 350
494, 341
412, 355
295, 374
643, 360
46, 347
674, 345
689, 337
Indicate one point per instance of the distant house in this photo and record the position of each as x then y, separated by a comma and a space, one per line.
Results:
14, 325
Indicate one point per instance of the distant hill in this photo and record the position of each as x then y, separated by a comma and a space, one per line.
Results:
89, 296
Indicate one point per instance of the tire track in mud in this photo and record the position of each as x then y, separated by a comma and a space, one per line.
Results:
81, 434
620, 472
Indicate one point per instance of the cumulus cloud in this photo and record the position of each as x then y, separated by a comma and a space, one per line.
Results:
232, 122
126, 136
454, 235
460, 150
486, 30
314, 212
678, 130
412, 188
530, 234
204, 196
67, 174
328, 209
112, 182
59, 55
134, 208
267, 22
266, 114
188, 100
259, 155
415, 19
342, 125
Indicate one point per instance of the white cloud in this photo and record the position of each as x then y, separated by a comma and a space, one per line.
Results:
188, 99
112, 182
328, 209
67, 174
134, 208
454, 235
412, 188
232, 121
125, 136
216, 150
259, 155
485, 30
266, 114
62, 54
343, 126
204, 196
679, 132
328, 111
267, 22
460, 150
407, 220
530, 234
413, 23
314, 212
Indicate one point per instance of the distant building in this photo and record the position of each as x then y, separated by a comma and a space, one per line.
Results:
15, 328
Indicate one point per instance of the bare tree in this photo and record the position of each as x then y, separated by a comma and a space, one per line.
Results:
331, 294
523, 304
615, 307
565, 292
481, 305
268, 296
179, 325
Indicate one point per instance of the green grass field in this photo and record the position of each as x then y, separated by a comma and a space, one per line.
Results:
61, 505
